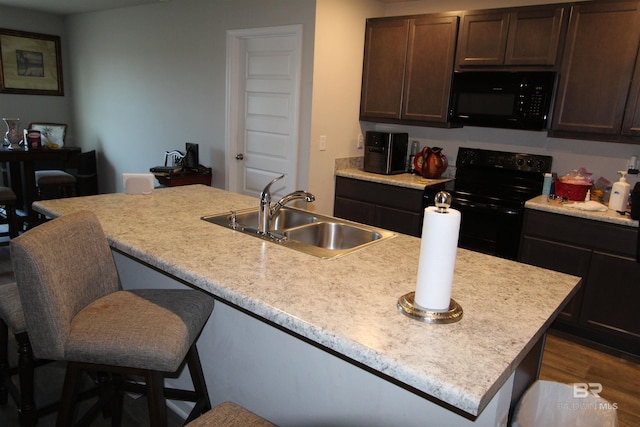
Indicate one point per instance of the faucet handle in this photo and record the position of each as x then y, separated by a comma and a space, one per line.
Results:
266, 192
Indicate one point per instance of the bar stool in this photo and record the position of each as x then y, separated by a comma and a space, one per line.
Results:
55, 184
12, 319
229, 414
76, 312
8, 201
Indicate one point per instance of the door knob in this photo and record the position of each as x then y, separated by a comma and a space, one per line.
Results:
239, 156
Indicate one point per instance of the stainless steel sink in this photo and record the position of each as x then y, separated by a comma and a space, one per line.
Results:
332, 235
319, 235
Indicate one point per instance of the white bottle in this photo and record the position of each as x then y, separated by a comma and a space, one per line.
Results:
620, 194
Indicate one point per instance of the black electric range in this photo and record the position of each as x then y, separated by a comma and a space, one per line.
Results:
490, 189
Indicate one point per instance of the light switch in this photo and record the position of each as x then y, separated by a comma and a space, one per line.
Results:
322, 145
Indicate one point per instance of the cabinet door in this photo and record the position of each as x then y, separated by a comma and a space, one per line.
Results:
600, 53
400, 221
430, 56
383, 69
611, 299
631, 124
565, 258
483, 38
534, 36
355, 210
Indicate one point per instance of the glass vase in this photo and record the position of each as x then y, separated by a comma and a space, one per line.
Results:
13, 136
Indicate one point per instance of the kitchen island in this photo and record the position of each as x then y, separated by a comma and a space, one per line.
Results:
306, 341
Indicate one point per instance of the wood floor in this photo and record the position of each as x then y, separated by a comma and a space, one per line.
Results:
563, 361
568, 362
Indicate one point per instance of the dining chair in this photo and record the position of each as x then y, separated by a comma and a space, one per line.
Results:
86, 174
76, 311
53, 182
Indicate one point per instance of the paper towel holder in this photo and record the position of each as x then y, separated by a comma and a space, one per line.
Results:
408, 307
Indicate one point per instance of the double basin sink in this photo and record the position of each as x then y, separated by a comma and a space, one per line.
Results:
305, 231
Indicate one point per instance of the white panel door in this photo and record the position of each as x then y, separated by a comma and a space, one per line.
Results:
262, 101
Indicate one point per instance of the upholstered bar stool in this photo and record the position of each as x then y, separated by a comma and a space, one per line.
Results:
55, 184
8, 202
77, 312
229, 414
12, 319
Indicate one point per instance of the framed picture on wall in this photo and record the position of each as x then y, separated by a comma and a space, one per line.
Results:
30, 63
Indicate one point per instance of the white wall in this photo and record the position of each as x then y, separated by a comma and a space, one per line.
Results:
149, 78
337, 78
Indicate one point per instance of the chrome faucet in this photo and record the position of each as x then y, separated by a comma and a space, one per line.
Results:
267, 211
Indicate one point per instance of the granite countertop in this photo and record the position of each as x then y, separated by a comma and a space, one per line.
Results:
348, 304
401, 180
543, 203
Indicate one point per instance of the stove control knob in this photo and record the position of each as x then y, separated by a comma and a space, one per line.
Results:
442, 201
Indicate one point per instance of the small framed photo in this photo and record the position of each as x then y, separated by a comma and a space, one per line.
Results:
30, 63
51, 134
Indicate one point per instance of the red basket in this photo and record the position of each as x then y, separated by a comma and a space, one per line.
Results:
576, 192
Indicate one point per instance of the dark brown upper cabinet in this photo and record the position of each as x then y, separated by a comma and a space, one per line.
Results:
596, 97
408, 64
631, 123
522, 37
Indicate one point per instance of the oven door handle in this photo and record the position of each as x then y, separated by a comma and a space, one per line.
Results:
486, 207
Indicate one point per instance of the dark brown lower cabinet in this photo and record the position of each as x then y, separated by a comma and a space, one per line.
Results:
606, 310
386, 206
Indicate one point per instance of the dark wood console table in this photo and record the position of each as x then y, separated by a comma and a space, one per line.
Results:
174, 179
22, 171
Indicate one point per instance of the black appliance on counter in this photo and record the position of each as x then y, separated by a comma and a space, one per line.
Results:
490, 189
385, 153
519, 100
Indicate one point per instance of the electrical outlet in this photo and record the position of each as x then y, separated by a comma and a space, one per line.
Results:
360, 143
322, 145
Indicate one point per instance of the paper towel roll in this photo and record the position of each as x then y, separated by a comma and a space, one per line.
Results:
437, 258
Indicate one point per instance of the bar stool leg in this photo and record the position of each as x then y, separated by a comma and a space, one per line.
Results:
156, 400
69, 393
28, 414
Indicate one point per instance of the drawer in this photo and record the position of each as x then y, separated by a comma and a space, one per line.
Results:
582, 232
380, 194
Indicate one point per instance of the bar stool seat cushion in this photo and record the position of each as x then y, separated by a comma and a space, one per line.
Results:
7, 194
11, 309
53, 177
160, 327
229, 414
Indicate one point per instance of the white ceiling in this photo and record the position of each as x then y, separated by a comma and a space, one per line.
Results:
70, 7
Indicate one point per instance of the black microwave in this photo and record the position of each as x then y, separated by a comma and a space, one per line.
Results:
517, 100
